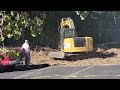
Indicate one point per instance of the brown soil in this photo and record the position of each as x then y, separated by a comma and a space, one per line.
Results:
110, 56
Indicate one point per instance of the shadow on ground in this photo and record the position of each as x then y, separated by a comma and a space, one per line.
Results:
22, 67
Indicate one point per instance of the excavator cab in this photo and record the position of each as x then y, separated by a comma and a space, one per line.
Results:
70, 33
66, 33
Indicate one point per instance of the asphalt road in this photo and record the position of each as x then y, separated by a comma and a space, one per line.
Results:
65, 72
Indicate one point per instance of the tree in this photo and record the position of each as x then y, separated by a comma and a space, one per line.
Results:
104, 25
16, 22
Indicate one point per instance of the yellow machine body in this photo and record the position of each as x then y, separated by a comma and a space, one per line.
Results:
83, 44
69, 42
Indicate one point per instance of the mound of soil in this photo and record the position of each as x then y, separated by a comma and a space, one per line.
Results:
110, 56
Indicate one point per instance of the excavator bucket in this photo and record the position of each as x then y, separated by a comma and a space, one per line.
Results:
57, 54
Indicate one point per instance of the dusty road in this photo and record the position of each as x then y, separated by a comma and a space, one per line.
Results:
66, 72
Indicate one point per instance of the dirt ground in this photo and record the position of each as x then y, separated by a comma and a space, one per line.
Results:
112, 56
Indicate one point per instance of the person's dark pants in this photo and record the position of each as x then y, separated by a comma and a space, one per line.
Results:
27, 60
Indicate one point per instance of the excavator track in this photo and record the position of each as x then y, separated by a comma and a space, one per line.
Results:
72, 56
81, 56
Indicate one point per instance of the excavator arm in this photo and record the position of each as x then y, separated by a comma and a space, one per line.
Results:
67, 23
67, 30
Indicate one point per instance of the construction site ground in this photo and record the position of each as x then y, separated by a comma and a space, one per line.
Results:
89, 68
109, 56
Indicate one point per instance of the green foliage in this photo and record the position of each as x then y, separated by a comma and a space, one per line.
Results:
15, 23
36, 26
1, 39
3, 50
12, 54
82, 14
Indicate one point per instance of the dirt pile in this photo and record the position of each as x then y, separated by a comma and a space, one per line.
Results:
110, 56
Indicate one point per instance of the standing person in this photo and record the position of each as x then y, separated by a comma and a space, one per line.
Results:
26, 53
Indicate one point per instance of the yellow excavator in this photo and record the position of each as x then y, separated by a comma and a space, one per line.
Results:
70, 44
